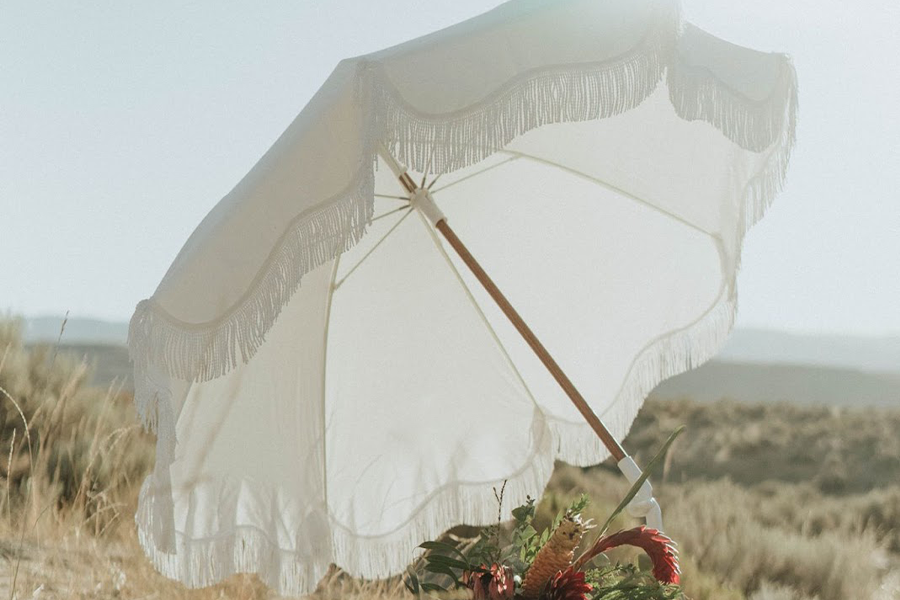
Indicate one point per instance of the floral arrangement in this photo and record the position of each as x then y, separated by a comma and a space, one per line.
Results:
527, 565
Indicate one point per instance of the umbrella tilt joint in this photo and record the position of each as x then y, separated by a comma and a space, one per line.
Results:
644, 504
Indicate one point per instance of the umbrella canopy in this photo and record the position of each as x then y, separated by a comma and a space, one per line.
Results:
329, 382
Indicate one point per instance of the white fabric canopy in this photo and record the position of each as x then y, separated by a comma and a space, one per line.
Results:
328, 382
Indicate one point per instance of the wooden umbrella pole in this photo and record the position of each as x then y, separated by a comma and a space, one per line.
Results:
577, 399
440, 223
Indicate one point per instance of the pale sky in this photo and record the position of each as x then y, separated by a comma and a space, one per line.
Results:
123, 123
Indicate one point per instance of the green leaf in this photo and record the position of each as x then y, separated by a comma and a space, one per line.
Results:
440, 559
476, 554
524, 513
412, 582
433, 587
578, 506
444, 570
441, 546
636, 486
526, 534
441, 569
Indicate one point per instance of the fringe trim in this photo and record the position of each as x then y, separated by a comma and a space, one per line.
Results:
676, 353
151, 398
762, 189
697, 94
443, 143
203, 352
204, 562
458, 503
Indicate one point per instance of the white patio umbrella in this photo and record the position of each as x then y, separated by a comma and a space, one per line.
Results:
333, 376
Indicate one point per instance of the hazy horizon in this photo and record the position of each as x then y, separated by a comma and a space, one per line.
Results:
747, 346
888, 335
123, 125
753, 366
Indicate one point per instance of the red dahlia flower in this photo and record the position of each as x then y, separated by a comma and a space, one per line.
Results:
659, 547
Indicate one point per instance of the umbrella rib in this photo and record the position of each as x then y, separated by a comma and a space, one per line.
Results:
389, 213
608, 186
371, 250
475, 174
471, 297
434, 181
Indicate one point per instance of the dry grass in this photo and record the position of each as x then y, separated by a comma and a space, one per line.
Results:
841, 451
768, 503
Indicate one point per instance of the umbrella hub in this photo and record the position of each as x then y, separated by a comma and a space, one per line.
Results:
422, 200
419, 195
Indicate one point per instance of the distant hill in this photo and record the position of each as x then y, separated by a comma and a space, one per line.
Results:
798, 384
101, 343
110, 363
874, 354
745, 382
76, 331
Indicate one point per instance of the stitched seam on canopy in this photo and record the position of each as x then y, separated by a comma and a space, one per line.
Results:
696, 93
562, 93
510, 86
204, 351
527, 465
708, 74
359, 182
